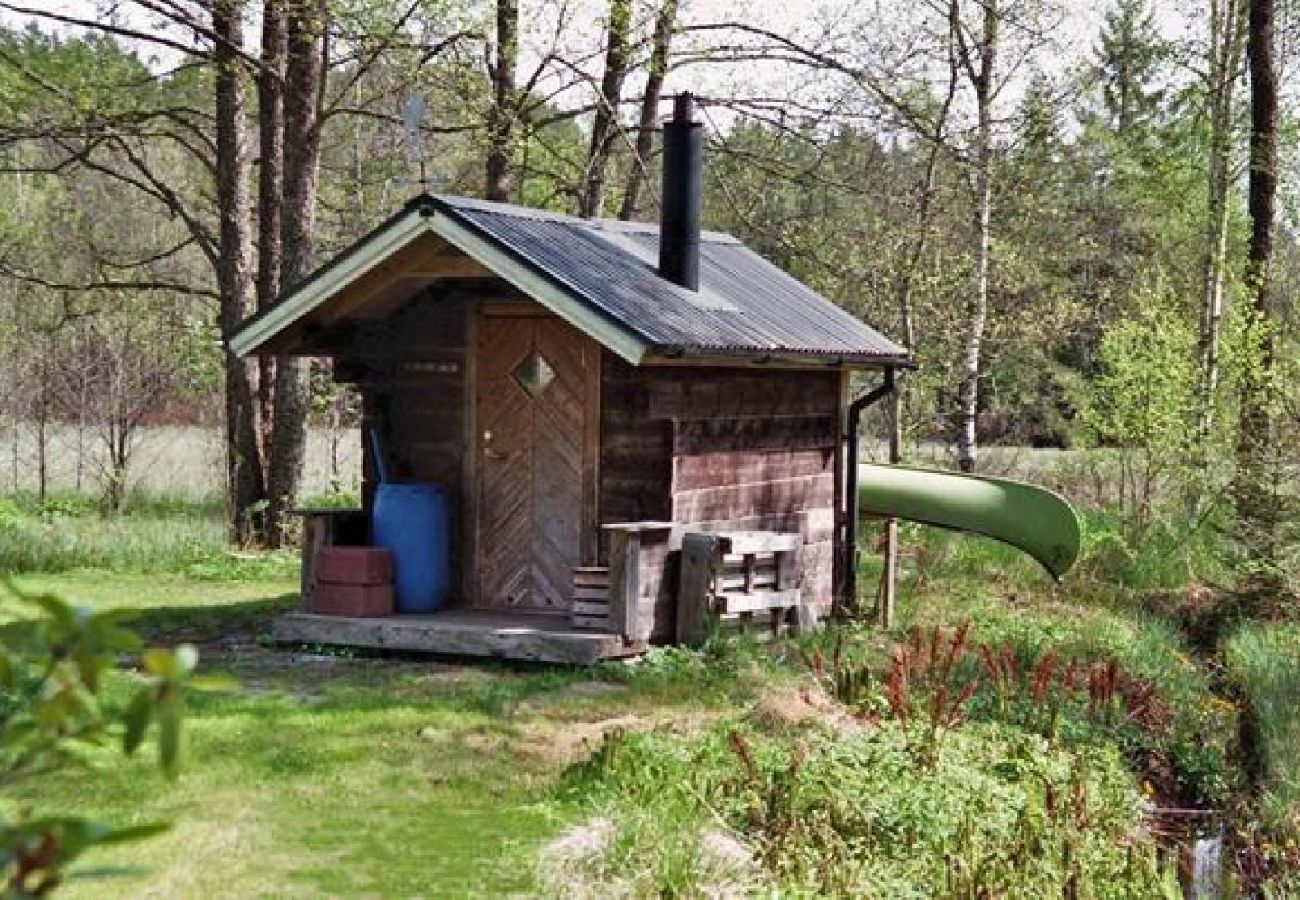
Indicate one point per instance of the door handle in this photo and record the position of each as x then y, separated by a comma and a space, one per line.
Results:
487, 447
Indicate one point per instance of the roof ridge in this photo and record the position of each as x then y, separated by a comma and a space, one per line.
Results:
547, 215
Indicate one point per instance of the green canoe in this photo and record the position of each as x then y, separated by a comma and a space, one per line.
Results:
1038, 521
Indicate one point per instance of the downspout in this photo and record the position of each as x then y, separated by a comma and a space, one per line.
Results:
856, 408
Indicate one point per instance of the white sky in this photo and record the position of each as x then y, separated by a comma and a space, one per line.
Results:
836, 22
1076, 35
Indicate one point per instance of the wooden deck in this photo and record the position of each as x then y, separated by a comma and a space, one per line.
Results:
540, 637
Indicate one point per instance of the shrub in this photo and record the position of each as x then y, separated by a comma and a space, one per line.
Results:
53, 709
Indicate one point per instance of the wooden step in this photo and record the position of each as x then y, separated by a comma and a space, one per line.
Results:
590, 598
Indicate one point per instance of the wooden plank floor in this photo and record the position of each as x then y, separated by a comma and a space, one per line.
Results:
541, 637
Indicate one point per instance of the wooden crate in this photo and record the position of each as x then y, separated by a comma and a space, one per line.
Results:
322, 528
590, 607
356, 600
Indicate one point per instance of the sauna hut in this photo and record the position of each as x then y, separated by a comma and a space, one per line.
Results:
593, 395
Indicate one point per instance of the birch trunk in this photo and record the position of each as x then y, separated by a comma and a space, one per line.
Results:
982, 79
1226, 37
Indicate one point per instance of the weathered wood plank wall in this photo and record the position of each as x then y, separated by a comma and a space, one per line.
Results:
722, 450
636, 451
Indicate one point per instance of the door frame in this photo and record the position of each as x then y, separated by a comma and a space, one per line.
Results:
589, 516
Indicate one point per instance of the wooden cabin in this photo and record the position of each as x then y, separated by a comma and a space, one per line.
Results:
588, 406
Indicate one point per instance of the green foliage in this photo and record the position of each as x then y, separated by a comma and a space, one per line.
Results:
1188, 755
1146, 391
56, 712
1145, 397
1170, 554
850, 814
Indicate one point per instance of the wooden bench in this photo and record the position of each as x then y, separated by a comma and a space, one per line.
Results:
737, 574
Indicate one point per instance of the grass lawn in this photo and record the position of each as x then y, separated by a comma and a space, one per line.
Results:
327, 774
351, 775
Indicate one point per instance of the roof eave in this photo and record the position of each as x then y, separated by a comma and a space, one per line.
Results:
418, 219
669, 355
571, 307
326, 282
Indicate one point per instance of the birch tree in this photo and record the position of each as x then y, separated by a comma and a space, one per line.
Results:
1223, 57
977, 54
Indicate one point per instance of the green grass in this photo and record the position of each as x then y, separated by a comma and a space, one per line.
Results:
332, 779
333, 774
155, 535
337, 773
1264, 662
172, 608
850, 813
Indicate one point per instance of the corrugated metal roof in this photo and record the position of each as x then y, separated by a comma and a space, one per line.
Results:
745, 305
605, 271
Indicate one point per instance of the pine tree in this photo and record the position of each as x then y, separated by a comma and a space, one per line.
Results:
1131, 56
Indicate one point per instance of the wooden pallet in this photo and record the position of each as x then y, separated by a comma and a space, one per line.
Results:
737, 574
590, 607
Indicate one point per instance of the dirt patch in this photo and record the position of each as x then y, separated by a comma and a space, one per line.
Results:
593, 689
567, 865
564, 699
798, 708
565, 743
570, 865
581, 843
724, 851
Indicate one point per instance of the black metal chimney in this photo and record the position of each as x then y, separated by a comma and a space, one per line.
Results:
679, 229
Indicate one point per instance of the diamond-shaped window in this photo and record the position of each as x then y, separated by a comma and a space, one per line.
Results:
534, 374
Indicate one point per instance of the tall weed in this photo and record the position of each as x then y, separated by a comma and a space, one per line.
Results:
1263, 660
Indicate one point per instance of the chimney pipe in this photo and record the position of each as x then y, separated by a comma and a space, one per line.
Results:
683, 187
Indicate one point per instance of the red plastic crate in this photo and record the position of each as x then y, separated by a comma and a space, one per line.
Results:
354, 565
352, 599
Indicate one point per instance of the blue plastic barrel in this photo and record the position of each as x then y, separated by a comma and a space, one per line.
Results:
411, 520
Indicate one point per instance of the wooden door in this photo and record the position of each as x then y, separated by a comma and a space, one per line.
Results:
535, 422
